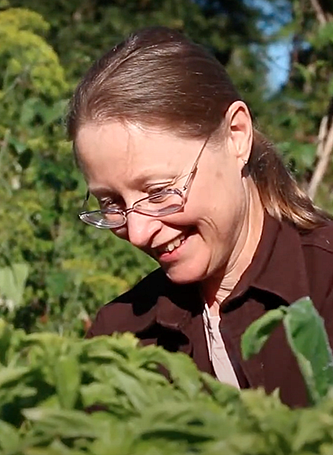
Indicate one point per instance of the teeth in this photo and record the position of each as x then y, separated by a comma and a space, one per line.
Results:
173, 244
170, 247
177, 242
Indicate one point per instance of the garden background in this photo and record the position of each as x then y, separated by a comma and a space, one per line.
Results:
54, 271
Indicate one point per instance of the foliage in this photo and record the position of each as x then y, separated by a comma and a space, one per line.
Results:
45, 49
48, 381
298, 108
70, 396
71, 271
26, 58
12, 284
307, 339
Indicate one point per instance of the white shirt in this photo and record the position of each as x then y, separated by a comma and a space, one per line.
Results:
216, 348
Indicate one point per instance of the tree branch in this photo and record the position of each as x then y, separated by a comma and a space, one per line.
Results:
324, 151
325, 134
321, 16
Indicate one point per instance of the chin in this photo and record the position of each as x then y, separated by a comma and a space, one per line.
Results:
184, 275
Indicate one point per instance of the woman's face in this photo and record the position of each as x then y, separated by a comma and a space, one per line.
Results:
125, 163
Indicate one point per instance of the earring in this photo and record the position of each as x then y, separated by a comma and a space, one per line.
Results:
245, 170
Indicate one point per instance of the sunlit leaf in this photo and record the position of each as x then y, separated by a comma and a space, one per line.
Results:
308, 340
259, 331
68, 379
12, 284
9, 438
68, 424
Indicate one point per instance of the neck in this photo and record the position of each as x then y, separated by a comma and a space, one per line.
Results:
217, 288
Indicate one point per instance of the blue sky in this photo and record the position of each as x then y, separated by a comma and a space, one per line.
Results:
278, 64
278, 13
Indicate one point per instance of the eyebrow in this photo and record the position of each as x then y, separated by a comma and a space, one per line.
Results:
138, 180
101, 191
147, 175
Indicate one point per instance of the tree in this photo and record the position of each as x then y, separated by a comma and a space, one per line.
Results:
46, 48
301, 112
71, 271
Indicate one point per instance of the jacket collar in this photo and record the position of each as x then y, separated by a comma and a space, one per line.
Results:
277, 267
277, 276
171, 306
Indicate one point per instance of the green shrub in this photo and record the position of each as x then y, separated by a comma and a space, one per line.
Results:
48, 383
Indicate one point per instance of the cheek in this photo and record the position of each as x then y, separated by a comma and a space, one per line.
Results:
223, 211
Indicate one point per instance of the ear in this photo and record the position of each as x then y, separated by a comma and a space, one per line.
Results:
238, 124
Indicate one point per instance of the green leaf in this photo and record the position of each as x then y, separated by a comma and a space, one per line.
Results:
67, 423
308, 340
223, 394
67, 380
19, 146
53, 113
9, 438
13, 384
12, 284
29, 110
5, 339
259, 331
330, 87
57, 282
10, 375
324, 36
55, 448
183, 373
313, 426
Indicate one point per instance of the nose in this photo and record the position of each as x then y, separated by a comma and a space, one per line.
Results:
141, 229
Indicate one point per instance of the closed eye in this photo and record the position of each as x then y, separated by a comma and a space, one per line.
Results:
108, 203
154, 191
159, 197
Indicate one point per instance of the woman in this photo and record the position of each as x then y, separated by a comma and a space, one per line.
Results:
168, 149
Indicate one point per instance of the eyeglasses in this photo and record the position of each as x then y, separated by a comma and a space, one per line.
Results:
159, 204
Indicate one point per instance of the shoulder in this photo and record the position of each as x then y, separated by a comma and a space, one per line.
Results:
319, 239
133, 310
317, 247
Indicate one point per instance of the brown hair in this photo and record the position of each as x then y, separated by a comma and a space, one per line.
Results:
157, 77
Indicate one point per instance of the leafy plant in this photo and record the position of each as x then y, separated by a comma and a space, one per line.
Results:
107, 395
307, 339
12, 284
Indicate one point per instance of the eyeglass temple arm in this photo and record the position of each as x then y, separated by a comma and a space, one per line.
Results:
195, 166
84, 205
188, 180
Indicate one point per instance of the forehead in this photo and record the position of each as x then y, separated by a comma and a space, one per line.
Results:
127, 153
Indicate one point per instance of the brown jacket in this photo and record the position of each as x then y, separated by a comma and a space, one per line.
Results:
287, 265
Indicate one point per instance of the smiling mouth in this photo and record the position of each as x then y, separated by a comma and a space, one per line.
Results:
171, 246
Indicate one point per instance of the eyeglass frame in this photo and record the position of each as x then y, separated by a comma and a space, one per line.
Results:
179, 191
